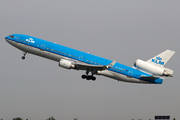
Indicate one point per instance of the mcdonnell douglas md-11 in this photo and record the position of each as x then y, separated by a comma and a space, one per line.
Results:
151, 71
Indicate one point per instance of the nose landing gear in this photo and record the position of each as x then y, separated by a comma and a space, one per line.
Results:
24, 54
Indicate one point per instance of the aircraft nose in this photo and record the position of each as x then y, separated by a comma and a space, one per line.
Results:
10, 37
6, 38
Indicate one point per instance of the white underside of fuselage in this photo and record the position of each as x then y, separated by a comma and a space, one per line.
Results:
56, 57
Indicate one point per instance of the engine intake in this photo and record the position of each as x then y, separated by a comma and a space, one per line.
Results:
66, 64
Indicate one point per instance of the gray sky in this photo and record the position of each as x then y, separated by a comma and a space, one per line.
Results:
118, 30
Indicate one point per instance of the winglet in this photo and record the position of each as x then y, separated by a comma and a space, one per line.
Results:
111, 64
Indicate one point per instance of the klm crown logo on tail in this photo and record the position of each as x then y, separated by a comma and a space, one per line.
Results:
158, 61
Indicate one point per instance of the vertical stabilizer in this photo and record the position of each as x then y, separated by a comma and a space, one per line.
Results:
161, 59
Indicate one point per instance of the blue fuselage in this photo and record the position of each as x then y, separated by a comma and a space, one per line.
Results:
32, 45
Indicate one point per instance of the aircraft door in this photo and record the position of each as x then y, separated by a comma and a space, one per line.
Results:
42, 47
130, 73
17, 38
42, 52
81, 58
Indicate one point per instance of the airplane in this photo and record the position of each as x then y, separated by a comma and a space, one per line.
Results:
151, 71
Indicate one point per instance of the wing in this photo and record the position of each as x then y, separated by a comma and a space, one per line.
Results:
89, 67
148, 77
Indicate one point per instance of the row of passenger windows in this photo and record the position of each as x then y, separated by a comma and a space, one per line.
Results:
61, 53
24, 41
71, 55
92, 62
117, 70
53, 50
64, 53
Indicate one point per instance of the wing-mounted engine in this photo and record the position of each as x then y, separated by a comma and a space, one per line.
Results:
150, 68
66, 64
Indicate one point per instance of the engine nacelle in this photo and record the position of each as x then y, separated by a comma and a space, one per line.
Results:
150, 68
66, 64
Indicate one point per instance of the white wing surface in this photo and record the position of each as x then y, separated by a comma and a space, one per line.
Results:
85, 66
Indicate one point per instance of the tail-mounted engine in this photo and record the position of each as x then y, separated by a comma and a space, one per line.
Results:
66, 64
150, 68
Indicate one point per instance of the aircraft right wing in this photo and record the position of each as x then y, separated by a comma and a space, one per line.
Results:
148, 77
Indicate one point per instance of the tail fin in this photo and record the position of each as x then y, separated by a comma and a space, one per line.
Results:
161, 59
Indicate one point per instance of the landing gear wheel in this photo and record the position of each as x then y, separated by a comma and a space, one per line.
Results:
83, 76
24, 54
23, 57
88, 77
93, 78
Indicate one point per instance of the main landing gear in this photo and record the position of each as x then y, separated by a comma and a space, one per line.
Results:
24, 54
88, 77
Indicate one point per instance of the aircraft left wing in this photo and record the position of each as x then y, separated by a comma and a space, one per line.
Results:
85, 66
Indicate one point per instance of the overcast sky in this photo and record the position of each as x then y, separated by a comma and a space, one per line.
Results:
121, 30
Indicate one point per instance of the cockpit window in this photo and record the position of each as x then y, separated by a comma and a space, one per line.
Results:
11, 36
